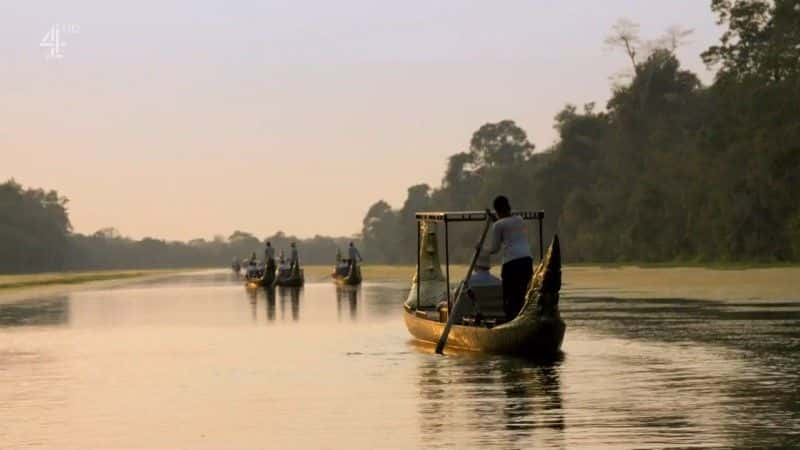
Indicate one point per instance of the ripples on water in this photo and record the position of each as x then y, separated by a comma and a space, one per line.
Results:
201, 362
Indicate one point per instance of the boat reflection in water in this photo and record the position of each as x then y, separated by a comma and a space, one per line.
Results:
252, 293
293, 292
346, 294
501, 400
256, 294
270, 300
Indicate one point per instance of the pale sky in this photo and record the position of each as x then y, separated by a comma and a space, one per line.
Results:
188, 119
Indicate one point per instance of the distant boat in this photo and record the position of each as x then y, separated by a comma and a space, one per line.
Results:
537, 331
290, 276
260, 275
345, 273
236, 267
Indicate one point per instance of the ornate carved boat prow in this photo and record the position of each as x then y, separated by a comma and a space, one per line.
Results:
432, 284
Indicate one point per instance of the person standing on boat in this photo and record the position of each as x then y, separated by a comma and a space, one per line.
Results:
269, 256
508, 235
353, 253
294, 260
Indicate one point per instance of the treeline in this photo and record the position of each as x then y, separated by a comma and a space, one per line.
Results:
36, 236
34, 229
670, 171
105, 249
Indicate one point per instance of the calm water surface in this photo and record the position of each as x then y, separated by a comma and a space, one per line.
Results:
201, 362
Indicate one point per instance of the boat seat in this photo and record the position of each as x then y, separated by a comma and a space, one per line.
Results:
490, 301
490, 304
487, 322
429, 314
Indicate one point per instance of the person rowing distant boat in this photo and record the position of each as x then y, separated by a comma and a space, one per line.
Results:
353, 253
508, 235
269, 252
294, 260
269, 256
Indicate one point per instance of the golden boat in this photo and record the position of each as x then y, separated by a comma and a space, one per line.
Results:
479, 323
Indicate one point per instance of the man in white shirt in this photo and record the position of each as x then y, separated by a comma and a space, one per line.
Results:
508, 235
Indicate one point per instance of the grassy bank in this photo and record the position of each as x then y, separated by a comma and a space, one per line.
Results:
728, 282
67, 278
715, 265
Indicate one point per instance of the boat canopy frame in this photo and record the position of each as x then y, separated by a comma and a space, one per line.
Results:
465, 216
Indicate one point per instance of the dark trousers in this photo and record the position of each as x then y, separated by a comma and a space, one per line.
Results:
516, 275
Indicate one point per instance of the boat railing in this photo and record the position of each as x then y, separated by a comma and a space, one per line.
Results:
472, 216
447, 217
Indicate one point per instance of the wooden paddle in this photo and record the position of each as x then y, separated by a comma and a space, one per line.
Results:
464, 285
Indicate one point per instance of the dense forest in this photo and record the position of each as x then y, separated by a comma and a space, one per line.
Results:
671, 170
35, 236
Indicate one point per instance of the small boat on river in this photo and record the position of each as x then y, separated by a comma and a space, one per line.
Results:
292, 275
260, 274
347, 272
479, 323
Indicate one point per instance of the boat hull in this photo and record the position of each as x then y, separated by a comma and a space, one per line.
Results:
264, 281
352, 278
349, 275
289, 282
347, 281
537, 337
294, 279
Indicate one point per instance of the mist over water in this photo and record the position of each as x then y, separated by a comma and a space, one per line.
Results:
198, 361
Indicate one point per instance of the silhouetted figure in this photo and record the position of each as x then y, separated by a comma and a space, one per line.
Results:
269, 257
353, 253
294, 260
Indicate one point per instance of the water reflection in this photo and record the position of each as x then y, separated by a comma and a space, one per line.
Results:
293, 293
501, 400
252, 294
270, 301
638, 373
267, 294
45, 311
347, 295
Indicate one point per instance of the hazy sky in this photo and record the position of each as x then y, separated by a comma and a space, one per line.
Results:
189, 119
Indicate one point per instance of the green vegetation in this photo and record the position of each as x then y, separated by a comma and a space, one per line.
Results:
35, 236
670, 171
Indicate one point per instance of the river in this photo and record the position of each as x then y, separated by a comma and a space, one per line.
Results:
197, 361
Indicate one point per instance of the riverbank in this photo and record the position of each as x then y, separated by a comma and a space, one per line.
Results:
699, 283
18, 287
